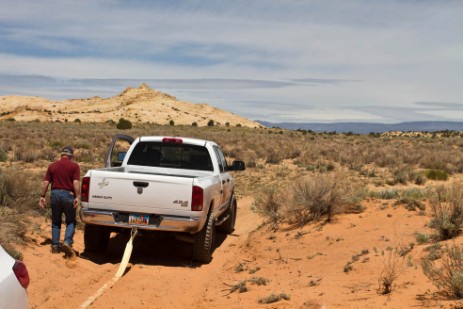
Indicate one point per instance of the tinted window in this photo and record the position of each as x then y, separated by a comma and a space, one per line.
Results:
171, 155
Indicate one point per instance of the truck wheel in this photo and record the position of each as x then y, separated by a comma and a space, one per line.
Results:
229, 225
96, 238
204, 242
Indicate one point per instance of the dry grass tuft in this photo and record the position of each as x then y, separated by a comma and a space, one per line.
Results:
393, 266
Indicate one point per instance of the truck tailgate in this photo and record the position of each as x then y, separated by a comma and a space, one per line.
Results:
141, 193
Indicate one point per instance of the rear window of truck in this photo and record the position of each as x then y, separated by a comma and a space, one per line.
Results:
171, 155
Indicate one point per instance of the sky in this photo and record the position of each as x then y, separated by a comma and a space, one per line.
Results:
384, 61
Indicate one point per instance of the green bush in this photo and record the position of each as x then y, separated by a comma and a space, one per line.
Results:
437, 175
421, 238
124, 124
3, 156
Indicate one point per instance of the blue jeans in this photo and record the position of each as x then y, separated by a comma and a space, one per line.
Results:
62, 202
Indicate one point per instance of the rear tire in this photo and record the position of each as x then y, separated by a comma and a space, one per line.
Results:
229, 225
96, 238
204, 241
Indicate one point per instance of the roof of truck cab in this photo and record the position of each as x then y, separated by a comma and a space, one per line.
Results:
183, 140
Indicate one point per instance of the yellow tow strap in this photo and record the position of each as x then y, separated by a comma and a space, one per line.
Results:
119, 273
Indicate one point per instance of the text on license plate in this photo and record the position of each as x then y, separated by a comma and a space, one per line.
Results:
139, 219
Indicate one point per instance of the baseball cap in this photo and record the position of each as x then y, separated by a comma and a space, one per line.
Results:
67, 151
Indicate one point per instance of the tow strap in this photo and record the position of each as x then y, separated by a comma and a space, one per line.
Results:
119, 273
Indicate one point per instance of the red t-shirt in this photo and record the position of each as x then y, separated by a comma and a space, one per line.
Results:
62, 173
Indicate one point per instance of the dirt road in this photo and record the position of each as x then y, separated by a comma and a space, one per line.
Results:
157, 276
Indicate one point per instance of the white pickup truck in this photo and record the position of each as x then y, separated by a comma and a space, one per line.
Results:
173, 184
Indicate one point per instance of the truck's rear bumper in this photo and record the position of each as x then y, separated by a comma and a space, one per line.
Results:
156, 222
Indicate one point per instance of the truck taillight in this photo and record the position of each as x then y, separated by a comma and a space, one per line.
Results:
20, 271
84, 192
197, 198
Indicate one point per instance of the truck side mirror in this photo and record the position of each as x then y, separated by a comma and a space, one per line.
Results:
121, 155
120, 158
237, 166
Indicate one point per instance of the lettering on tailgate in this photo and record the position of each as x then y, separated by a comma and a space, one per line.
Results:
104, 197
181, 203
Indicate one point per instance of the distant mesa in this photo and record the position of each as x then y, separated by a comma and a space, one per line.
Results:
366, 128
139, 105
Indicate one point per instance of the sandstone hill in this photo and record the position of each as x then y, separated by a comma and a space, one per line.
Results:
139, 105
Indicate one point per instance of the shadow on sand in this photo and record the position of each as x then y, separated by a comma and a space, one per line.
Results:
149, 249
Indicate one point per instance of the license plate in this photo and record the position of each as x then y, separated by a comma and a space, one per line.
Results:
139, 219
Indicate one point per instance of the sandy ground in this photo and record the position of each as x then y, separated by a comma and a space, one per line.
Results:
306, 266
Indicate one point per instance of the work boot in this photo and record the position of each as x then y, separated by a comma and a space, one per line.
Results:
55, 249
68, 251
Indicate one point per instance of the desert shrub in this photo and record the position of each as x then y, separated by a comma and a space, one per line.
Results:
401, 176
19, 189
447, 211
434, 252
269, 204
13, 227
18, 198
410, 204
258, 281
30, 155
420, 179
83, 145
321, 167
239, 287
210, 123
273, 298
85, 155
393, 266
274, 157
421, 238
416, 193
386, 194
321, 195
3, 155
437, 174
124, 124
171, 122
448, 276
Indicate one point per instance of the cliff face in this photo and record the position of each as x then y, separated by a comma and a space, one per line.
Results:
141, 104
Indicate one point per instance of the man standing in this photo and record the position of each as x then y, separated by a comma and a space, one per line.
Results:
64, 177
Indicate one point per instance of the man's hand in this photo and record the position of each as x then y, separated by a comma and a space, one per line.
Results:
76, 202
42, 202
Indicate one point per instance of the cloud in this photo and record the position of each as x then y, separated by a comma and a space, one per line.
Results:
440, 105
354, 58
